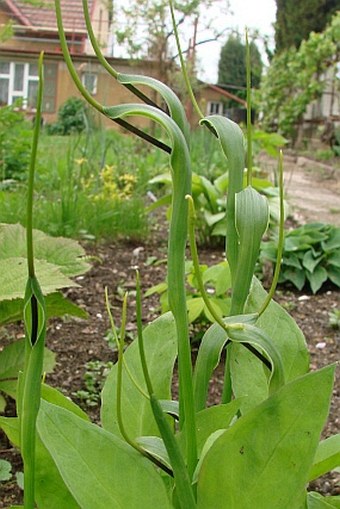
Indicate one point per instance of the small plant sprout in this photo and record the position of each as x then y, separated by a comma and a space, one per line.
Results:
258, 447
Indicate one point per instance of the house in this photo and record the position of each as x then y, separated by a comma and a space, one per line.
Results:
34, 29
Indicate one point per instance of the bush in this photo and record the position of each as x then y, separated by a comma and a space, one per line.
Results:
15, 143
72, 117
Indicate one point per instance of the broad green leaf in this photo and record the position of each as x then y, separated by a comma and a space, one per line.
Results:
317, 278
334, 259
219, 275
212, 219
283, 331
2, 404
208, 357
263, 460
195, 307
292, 261
100, 470
248, 377
327, 457
156, 448
295, 276
13, 277
210, 420
333, 241
51, 492
12, 360
251, 216
317, 501
309, 262
5, 470
247, 333
215, 305
161, 351
334, 275
170, 407
66, 254
52, 395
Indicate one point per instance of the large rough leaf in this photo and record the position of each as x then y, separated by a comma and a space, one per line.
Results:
99, 469
161, 351
65, 253
13, 277
264, 459
283, 331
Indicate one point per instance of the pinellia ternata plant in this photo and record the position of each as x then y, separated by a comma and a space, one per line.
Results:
259, 447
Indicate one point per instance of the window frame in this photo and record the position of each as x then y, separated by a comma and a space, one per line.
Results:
13, 94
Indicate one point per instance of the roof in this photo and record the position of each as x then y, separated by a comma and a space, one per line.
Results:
41, 15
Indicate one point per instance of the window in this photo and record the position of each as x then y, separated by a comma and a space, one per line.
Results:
18, 81
215, 108
89, 80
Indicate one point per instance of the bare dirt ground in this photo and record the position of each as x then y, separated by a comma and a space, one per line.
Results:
76, 342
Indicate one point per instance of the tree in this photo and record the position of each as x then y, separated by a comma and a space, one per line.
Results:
295, 20
296, 77
232, 65
145, 28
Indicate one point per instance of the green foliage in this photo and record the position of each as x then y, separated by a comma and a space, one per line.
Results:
94, 378
334, 318
15, 144
293, 25
232, 66
296, 77
72, 117
90, 186
57, 260
310, 256
217, 279
5, 470
264, 435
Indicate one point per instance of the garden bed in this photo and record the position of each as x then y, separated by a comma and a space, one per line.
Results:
76, 342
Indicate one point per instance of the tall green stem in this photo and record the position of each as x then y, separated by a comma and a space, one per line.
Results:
29, 385
249, 126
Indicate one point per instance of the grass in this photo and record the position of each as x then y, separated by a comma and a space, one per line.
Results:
89, 185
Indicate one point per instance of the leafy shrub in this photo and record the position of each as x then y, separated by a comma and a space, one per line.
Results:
71, 117
311, 255
15, 143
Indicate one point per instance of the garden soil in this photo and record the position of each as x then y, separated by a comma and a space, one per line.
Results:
313, 196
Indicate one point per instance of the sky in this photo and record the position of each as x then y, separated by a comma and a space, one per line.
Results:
254, 14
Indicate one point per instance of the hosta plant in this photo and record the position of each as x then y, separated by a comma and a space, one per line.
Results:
258, 447
311, 256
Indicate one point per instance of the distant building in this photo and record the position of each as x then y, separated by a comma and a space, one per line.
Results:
35, 29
